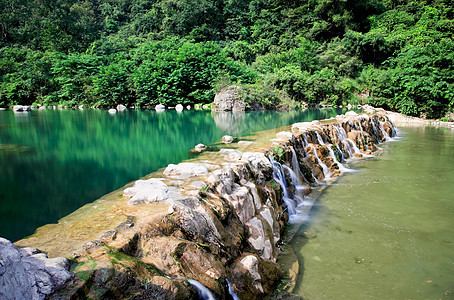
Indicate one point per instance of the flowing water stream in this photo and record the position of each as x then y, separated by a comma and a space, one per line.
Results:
386, 231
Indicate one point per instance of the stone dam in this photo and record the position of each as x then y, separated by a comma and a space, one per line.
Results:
211, 227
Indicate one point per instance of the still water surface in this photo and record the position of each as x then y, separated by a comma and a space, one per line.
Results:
387, 231
53, 162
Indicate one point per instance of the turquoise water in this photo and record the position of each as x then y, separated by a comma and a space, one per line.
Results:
53, 162
387, 231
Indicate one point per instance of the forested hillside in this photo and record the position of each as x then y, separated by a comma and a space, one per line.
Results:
396, 54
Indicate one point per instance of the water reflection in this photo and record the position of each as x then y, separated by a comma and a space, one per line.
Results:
53, 162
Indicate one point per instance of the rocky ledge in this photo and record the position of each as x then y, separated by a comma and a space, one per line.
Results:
225, 218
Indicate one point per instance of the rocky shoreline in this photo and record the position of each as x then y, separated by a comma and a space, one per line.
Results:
219, 220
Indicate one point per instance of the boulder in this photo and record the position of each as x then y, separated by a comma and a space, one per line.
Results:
227, 139
179, 108
199, 147
146, 191
29, 274
121, 107
112, 111
229, 99
160, 107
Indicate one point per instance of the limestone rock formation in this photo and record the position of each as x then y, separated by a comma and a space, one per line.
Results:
229, 99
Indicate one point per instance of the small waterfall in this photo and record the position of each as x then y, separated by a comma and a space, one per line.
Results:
203, 291
383, 131
319, 138
342, 168
279, 176
360, 125
231, 292
295, 201
326, 172
296, 167
374, 128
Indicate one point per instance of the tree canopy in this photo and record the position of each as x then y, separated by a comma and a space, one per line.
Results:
396, 54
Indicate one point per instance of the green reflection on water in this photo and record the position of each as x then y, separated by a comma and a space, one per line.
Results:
386, 232
53, 162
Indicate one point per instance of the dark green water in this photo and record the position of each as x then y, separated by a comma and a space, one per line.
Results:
387, 231
53, 162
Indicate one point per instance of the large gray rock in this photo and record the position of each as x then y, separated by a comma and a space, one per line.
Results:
146, 191
28, 274
229, 99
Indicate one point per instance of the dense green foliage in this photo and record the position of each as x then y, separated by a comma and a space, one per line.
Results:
393, 53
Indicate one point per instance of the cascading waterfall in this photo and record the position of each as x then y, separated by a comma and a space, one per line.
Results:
349, 141
342, 168
296, 167
294, 201
326, 172
203, 291
294, 187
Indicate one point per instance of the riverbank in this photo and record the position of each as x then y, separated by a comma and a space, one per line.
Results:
221, 215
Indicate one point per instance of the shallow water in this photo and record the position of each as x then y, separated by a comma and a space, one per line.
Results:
53, 162
387, 231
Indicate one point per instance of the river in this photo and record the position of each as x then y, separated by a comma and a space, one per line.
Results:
53, 162
386, 231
